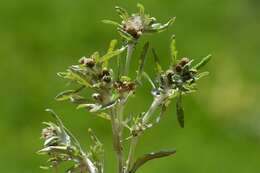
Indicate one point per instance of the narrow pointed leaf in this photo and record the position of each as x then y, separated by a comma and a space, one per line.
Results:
174, 51
125, 35
110, 51
157, 27
112, 45
203, 62
179, 110
147, 157
149, 79
201, 75
122, 12
141, 9
142, 60
157, 63
112, 54
111, 22
66, 95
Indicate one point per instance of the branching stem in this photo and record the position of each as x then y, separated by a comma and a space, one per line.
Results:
155, 104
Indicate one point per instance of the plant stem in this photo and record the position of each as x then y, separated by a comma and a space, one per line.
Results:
130, 49
89, 164
116, 129
155, 104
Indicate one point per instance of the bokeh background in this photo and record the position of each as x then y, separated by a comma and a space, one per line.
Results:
222, 133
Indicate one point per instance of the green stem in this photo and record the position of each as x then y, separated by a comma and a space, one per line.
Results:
156, 103
130, 49
116, 129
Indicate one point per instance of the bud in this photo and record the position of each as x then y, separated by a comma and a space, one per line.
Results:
48, 132
184, 61
107, 79
97, 97
178, 68
89, 62
134, 26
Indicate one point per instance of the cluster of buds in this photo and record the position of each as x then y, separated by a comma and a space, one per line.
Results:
135, 25
93, 72
124, 86
180, 79
61, 146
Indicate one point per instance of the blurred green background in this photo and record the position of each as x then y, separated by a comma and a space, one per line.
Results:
42, 37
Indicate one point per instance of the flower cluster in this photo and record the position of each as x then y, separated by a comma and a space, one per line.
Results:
135, 25
104, 91
61, 146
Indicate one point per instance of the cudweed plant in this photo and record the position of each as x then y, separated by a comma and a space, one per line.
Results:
111, 90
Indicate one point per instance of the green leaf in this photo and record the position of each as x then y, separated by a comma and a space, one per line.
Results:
142, 61
141, 9
91, 107
75, 75
112, 45
112, 54
151, 156
66, 95
111, 22
111, 48
54, 149
201, 75
149, 79
157, 63
203, 62
157, 27
104, 115
125, 35
122, 13
179, 110
174, 51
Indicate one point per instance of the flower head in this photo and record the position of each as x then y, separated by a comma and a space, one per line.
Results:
135, 25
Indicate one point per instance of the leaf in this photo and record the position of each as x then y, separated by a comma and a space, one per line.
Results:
149, 79
66, 95
104, 115
111, 22
125, 35
142, 61
91, 107
156, 59
201, 75
141, 9
179, 110
112, 54
147, 157
54, 149
95, 56
76, 76
174, 51
157, 27
203, 62
122, 12
111, 48
73, 74
112, 45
